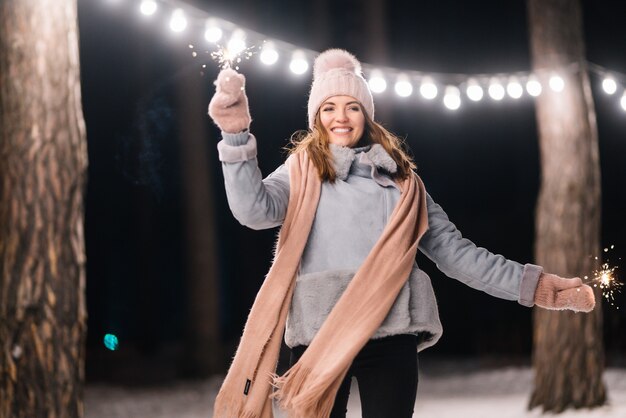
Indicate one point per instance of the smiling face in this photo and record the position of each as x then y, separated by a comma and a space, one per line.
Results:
343, 119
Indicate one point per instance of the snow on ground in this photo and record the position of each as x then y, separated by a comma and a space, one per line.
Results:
502, 393
494, 393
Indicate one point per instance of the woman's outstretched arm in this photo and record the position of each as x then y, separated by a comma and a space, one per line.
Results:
460, 258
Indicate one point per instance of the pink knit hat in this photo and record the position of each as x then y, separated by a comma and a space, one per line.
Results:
338, 73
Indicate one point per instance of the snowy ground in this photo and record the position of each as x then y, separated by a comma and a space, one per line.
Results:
493, 393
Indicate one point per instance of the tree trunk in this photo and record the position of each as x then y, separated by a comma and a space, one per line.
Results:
374, 28
321, 24
203, 351
568, 349
43, 158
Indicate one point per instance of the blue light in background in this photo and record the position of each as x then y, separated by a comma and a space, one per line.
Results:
111, 342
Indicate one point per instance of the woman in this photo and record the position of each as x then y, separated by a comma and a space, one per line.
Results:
344, 284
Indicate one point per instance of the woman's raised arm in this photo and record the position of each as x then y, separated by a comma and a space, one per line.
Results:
255, 202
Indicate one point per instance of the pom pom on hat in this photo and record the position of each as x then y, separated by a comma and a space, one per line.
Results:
335, 58
337, 72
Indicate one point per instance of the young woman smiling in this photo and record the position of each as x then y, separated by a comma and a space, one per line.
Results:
344, 288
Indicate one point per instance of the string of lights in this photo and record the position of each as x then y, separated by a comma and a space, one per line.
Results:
234, 43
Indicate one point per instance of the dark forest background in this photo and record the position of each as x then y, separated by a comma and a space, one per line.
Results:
480, 163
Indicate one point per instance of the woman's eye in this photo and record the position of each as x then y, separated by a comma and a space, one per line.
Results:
327, 109
355, 108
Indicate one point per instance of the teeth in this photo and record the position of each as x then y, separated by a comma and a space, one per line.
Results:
341, 130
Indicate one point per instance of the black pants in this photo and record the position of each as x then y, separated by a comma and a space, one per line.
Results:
386, 371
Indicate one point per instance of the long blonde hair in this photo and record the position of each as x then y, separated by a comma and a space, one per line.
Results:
316, 143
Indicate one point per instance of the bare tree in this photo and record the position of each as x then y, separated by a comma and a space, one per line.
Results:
374, 29
43, 158
320, 22
568, 354
203, 349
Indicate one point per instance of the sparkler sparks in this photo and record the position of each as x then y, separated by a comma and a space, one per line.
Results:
608, 283
606, 280
231, 57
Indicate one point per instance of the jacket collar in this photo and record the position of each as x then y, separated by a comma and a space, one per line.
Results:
374, 155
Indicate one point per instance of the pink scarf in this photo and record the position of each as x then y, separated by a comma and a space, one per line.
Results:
309, 388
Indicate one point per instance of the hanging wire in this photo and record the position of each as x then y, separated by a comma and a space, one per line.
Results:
189, 18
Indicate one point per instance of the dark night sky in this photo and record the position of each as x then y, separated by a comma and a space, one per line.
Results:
480, 163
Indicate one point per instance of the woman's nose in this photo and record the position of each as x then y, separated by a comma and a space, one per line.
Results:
341, 116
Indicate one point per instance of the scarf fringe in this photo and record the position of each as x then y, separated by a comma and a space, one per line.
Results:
301, 398
231, 407
249, 414
227, 406
289, 385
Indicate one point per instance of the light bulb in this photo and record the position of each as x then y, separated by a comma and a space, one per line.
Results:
496, 91
403, 86
269, 55
556, 83
428, 89
474, 91
609, 85
298, 64
533, 86
376, 82
178, 22
514, 88
237, 42
212, 33
452, 98
148, 7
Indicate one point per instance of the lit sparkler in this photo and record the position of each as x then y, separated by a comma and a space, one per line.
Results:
606, 280
231, 57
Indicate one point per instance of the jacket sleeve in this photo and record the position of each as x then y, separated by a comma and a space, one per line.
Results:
255, 202
461, 259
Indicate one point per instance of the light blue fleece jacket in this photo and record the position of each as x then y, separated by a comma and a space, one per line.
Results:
350, 217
